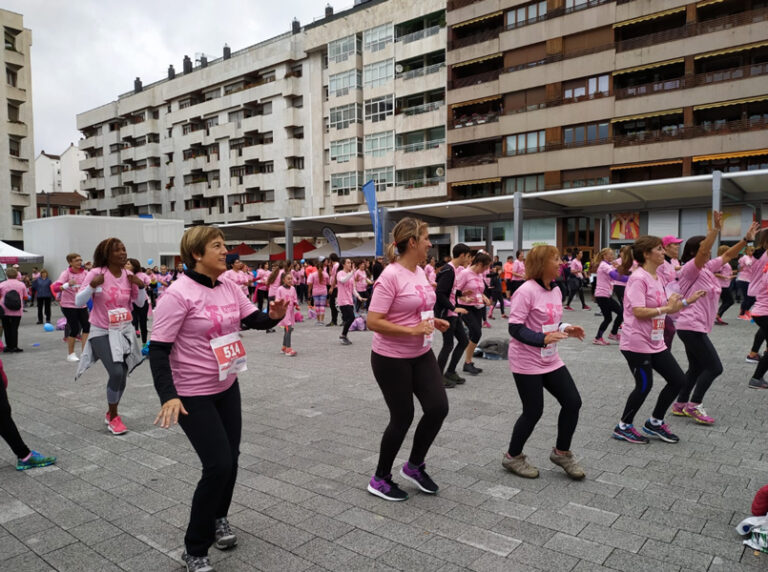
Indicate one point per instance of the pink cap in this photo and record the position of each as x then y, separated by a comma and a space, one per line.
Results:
670, 239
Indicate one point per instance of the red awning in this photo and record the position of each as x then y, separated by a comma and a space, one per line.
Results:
241, 249
298, 251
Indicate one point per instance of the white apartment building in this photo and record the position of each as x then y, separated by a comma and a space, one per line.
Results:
291, 126
59, 173
17, 148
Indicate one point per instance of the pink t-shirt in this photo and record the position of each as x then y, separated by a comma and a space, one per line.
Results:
19, 287
758, 286
361, 284
113, 293
539, 310
189, 316
604, 284
344, 296
429, 270
401, 295
518, 266
471, 285
298, 277
576, 268
699, 316
261, 278
68, 294
272, 290
317, 288
667, 271
289, 294
745, 268
643, 336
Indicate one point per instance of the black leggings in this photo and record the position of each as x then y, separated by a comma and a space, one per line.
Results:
746, 300
531, 390
726, 300
399, 380
497, 298
332, 305
607, 307
11, 331
703, 365
347, 317
43, 304
77, 321
140, 320
8, 430
474, 322
762, 366
456, 329
574, 287
642, 367
213, 426
758, 340
618, 289
261, 297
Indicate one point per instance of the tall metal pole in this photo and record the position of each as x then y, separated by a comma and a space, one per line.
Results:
488, 237
717, 182
518, 220
288, 239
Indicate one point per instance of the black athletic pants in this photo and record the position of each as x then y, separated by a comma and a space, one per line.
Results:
400, 379
726, 300
332, 305
77, 321
746, 300
11, 331
618, 289
474, 322
762, 367
497, 298
574, 288
758, 340
261, 297
642, 367
213, 426
43, 304
8, 430
607, 307
531, 388
347, 317
140, 320
703, 365
456, 330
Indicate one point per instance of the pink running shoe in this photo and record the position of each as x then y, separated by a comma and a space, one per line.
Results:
616, 337
116, 426
289, 352
696, 411
678, 408
600, 342
486, 324
568, 308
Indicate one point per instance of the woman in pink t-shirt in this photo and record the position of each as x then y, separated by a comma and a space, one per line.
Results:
112, 340
401, 316
642, 342
742, 282
287, 292
758, 288
273, 283
471, 284
602, 264
693, 325
576, 281
196, 355
361, 285
347, 295
140, 313
262, 274
317, 284
535, 327
518, 272
71, 281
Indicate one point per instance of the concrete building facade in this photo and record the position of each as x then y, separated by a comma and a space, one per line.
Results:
292, 126
17, 177
551, 94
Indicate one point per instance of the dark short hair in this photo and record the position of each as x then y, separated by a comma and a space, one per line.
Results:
459, 249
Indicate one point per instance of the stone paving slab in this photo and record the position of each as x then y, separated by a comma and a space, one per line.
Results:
311, 431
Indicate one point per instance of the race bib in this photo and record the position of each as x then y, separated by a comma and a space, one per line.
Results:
551, 349
428, 315
657, 328
230, 354
118, 317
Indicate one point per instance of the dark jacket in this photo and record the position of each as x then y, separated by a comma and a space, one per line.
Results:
446, 278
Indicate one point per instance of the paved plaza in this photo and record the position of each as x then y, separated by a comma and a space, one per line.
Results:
311, 431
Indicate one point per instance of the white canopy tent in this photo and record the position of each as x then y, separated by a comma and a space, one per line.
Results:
12, 255
345, 244
366, 249
263, 253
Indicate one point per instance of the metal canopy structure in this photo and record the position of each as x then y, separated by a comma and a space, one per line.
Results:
709, 191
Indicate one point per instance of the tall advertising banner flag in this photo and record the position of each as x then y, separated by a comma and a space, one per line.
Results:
369, 192
330, 236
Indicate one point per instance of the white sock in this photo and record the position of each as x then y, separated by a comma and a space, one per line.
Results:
656, 422
623, 425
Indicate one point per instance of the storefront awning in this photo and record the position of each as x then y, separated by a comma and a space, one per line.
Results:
477, 182
708, 3
650, 17
478, 19
649, 66
732, 50
729, 103
734, 155
476, 101
643, 165
645, 115
476, 61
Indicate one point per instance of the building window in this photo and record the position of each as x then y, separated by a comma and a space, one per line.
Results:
341, 83
295, 162
343, 183
340, 50
267, 167
527, 14
341, 117
17, 216
474, 234
378, 144
590, 88
524, 183
377, 38
11, 77
379, 108
344, 149
587, 134
383, 178
266, 108
14, 147
212, 122
378, 73
524, 143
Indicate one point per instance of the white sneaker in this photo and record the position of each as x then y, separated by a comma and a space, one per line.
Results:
73, 357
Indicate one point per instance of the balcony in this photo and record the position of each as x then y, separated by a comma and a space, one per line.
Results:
90, 142
148, 198
14, 58
18, 163
420, 154
354, 197
420, 72
420, 42
16, 93
703, 130
420, 117
92, 163
17, 128
146, 174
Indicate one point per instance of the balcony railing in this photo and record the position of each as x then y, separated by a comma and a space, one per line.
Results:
476, 79
456, 4
420, 146
418, 35
474, 119
556, 13
419, 72
418, 183
424, 108
482, 36
472, 160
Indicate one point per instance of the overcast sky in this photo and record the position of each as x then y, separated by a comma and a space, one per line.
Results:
87, 52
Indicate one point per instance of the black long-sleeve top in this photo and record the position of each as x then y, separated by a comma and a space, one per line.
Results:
445, 280
160, 352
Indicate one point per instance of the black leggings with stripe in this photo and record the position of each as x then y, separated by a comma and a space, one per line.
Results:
642, 367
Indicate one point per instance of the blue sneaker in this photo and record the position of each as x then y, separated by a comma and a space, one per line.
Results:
35, 460
660, 431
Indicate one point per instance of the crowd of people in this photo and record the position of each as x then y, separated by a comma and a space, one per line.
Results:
189, 322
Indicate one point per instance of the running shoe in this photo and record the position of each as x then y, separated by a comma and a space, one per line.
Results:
289, 352
678, 408
568, 308
758, 383
448, 383
697, 413
491, 317
660, 432
345, 341
197, 563
745, 316
616, 337
630, 434
73, 357
520, 466
35, 460
587, 308
471, 369
504, 316
753, 359
569, 464
282, 350
225, 538
455, 377
329, 324
386, 489
486, 324
419, 477
600, 342
116, 426
720, 322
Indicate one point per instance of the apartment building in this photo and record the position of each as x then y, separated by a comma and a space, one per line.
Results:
17, 148
291, 126
556, 94
59, 173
